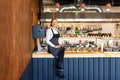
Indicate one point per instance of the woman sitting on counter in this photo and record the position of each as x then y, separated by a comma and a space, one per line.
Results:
56, 49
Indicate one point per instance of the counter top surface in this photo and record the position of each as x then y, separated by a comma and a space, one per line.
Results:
43, 54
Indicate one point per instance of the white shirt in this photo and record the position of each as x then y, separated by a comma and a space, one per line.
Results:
49, 35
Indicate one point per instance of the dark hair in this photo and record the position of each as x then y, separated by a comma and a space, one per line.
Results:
52, 21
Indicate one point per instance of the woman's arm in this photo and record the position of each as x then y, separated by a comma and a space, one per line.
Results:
49, 35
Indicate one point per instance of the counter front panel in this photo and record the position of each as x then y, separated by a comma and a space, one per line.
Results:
78, 69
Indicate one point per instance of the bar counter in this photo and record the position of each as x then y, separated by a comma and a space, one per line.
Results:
78, 66
77, 54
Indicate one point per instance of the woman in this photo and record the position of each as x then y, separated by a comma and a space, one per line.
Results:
56, 49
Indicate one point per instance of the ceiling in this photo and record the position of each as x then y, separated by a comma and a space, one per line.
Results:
65, 2
90, 2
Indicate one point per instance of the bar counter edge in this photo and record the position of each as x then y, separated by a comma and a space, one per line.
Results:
77, 54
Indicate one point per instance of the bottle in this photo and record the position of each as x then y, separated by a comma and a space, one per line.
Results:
77, 32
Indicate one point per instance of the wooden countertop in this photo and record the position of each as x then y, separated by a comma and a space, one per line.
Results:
77, 54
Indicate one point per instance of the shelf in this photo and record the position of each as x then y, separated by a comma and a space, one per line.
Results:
92, 37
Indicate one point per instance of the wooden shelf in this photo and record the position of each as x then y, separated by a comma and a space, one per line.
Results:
92, 37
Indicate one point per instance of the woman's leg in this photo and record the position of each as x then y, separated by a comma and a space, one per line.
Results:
59, 63
60, 58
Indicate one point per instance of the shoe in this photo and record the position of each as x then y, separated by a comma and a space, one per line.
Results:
61, 76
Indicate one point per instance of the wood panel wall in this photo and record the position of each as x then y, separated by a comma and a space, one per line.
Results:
15, 37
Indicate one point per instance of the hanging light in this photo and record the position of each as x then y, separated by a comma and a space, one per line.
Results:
57, 5
108, 6
82, 6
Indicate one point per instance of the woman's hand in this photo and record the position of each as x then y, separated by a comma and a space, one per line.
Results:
61, 44
57, 46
